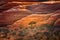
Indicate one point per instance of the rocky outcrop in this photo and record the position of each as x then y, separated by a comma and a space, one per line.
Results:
8, 18
35, 24
17, 24
38, 18
15, 13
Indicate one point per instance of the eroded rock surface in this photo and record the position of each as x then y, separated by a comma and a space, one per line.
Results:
36, 25
16, 24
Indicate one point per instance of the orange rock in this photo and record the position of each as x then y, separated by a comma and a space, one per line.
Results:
38, 18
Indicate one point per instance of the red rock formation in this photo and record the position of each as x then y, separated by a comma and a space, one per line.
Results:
29, 27
47, 7
9, 17
38, 18
12, 16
